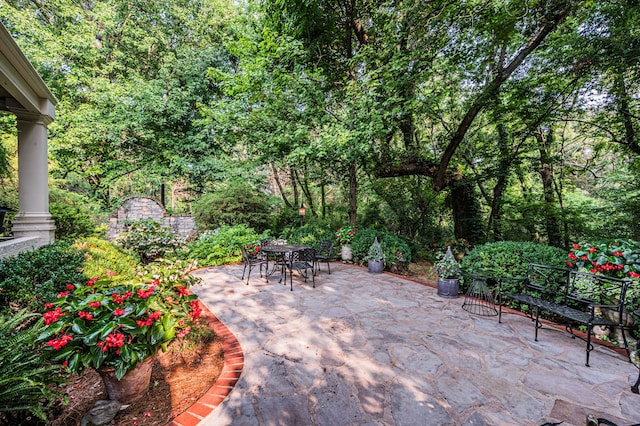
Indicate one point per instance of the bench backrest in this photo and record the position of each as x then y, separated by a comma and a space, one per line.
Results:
548, 282
575, 288
597, 289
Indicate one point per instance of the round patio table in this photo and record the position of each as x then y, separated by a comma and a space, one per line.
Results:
279, 251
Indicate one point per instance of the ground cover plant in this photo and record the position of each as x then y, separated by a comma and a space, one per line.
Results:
222, 246
27, 380
27, 279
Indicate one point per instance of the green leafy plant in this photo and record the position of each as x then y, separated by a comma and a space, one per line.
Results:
509, 259
148, 239
73, 214
620, 258
233, 203
29, 278
102, 257
222, 246
345, 234
110, 323
375, 252
25, 375
447, 266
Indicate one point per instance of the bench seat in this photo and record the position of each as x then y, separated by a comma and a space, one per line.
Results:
580, 297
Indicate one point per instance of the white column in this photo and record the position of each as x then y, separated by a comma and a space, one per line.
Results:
33, 218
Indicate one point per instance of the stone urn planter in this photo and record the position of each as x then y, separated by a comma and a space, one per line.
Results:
346, 254
132, 386
448, 287
375, 266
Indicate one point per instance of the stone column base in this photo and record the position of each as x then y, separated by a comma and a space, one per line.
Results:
35, 225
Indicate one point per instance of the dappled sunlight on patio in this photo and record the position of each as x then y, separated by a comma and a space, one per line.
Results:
380, 348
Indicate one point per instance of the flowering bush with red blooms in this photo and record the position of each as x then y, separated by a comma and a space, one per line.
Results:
345, 234
620, 259
253, 249
109, 323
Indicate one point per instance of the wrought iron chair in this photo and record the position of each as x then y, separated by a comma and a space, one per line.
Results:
323, 254
251, 261
302, 261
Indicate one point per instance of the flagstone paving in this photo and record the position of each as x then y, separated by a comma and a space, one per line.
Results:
364, 349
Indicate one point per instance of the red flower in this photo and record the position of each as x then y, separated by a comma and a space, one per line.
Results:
569, 264
573, 256
575, 246
65, 363
63, 294
48, 305
182, 291
57, 344
633, 274
592, 249
594, 270
584, 257
85, 315
118, 312
94, 304
617, 253
52, 316
70, 287
91, 282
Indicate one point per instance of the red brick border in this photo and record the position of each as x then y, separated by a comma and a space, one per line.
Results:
231, 371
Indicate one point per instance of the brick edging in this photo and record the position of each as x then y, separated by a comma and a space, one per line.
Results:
231, 371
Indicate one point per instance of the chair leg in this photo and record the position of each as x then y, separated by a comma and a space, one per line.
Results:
329, 267
634, 388
243, 272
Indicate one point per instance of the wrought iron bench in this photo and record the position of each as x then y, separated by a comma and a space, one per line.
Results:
579, 298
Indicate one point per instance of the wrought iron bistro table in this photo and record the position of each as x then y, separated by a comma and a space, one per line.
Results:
279, 251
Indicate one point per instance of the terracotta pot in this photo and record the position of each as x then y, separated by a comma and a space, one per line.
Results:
132, 386
346, 253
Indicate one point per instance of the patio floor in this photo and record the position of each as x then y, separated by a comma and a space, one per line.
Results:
363, 349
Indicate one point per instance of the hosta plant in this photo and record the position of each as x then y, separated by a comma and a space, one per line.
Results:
109, 323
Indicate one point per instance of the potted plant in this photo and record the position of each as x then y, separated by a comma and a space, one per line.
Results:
117, 327
345, 235
449, 274
375, 258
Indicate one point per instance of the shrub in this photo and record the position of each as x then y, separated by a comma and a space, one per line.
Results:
310, 234
71, 213
618, 259
102, 257
509, 259
25, 376
222, 246
151, 241
235, 203
29, 278
396, 250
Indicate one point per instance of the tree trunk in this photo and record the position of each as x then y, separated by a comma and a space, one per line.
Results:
494, 225
546, 174
466, 212
353, 194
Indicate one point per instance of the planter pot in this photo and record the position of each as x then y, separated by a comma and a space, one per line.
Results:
132, 386
448, 287
376, 266
346, 253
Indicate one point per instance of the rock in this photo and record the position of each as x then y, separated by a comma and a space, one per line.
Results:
101, 413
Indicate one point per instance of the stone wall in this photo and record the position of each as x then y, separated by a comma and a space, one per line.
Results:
137, 208
13, 246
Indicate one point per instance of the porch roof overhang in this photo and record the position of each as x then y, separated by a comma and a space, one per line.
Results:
22, 90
